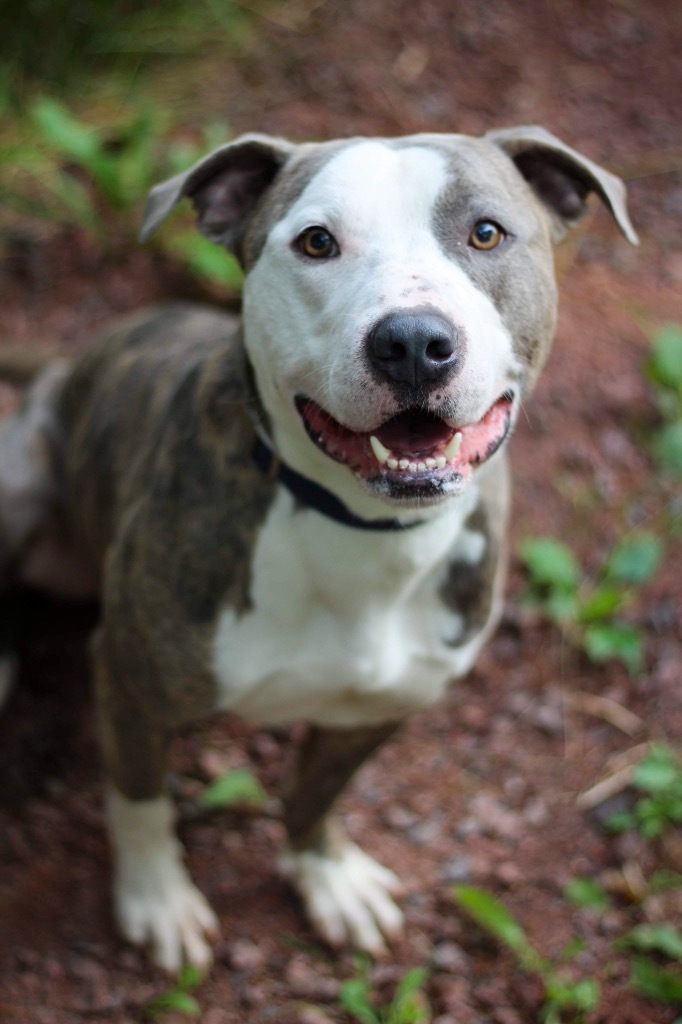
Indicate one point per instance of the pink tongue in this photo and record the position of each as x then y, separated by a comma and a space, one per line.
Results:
414, 433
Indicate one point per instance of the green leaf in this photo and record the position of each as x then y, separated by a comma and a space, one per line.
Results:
63, 132
635, 559
666, 356
550, 563
587, 892
667, 448
601, 604
206, 259
615, 640
408, 1005
239, 786
174, 1000
661, 983
620, 821
659, 937
491, 915
580, 995
561, 606
410, 983
189, 977
354, 996
659, 770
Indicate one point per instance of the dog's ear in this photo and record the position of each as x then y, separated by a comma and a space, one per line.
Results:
562, 177
224, 186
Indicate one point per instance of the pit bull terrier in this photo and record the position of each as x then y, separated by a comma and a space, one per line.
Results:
302, 514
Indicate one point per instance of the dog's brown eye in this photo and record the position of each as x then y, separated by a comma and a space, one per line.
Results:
318, 243
486, 235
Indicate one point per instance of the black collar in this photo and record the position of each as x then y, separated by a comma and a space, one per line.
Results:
316, 497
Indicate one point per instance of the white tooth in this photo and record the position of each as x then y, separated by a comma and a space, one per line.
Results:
430, 463
381, 453
441, 461
404, 463
453, 446
421, 466
413, 467
392, 463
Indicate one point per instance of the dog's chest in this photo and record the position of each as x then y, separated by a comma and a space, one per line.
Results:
346, 627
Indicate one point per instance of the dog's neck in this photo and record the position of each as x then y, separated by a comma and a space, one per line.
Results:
312, 495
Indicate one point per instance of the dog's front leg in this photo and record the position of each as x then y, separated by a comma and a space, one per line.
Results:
155, 900
347, 894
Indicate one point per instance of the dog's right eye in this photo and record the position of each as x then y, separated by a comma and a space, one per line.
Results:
317, 243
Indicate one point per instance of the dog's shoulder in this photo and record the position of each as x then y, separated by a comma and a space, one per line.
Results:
156, 414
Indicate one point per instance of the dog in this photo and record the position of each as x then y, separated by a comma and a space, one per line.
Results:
299, 515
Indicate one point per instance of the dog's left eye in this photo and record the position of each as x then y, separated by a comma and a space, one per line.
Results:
318, 243
486, 235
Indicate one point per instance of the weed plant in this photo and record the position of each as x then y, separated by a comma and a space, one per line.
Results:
664, 370
588, 607
64, 170
408, 1005
658, 778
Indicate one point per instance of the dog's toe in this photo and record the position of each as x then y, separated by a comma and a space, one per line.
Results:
347, 897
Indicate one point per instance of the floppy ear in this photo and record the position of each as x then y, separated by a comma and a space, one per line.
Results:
562, 177
224, 186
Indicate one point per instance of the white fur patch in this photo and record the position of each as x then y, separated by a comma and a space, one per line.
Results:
155, 899
347, 896
346, 627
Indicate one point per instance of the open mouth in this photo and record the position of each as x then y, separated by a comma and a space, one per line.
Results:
413, 448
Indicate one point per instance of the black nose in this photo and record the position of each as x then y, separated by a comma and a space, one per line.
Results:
414, 348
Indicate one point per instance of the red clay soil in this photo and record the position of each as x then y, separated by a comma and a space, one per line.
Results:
483, 788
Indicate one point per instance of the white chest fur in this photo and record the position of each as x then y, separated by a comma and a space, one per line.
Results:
346, 626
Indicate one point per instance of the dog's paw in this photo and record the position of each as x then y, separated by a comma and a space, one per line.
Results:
347, 896
155, 900
157, 903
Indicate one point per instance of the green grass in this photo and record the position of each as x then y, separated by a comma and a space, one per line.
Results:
566, 998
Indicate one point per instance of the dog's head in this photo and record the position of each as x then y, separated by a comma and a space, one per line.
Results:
399, 298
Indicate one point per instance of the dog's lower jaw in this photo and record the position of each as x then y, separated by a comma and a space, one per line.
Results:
155, 900
347, 896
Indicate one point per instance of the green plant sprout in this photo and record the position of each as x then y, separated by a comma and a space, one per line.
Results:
238, 786
565, 998
662, 982
664, 370
587, 610
408, 1005
587, 893
659, 778
176, 999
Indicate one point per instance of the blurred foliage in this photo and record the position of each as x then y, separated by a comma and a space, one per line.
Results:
56, 44
90, 119
586, 607
63, 170
664, 370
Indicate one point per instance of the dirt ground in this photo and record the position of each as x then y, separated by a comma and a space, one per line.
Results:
482, 788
